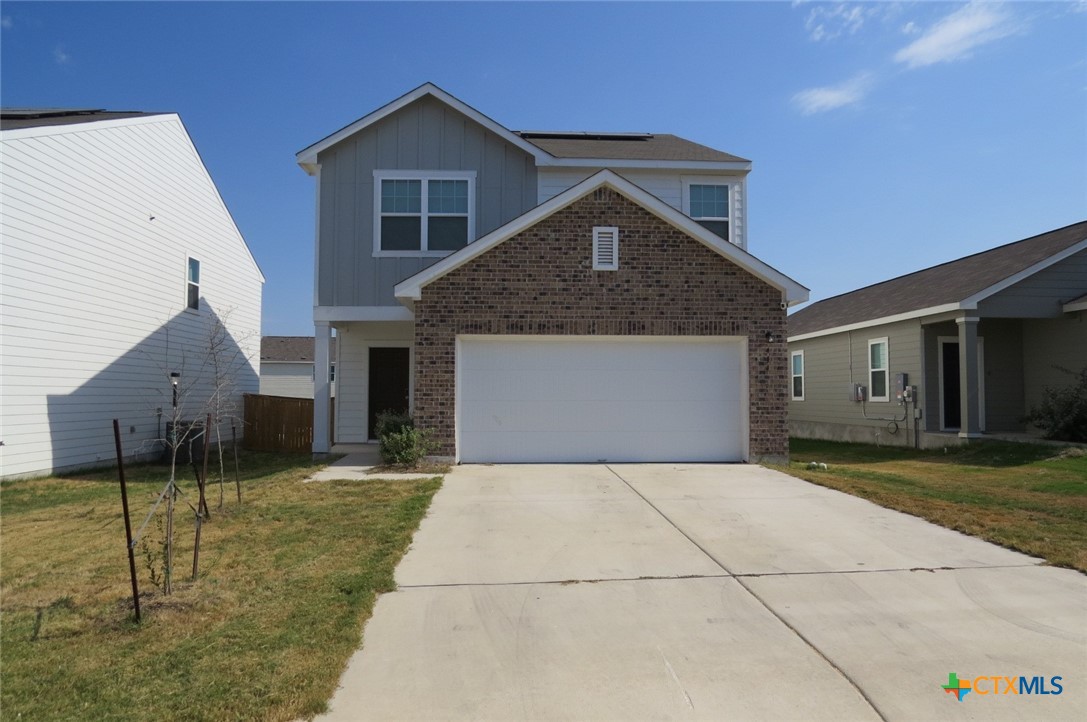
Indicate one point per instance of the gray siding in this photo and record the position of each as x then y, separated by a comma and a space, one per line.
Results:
830, 369
425, 135
1043, 294
1048, 344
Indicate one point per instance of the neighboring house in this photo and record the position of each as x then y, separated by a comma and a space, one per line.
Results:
121, 265
286, 366
544, 296
978, 338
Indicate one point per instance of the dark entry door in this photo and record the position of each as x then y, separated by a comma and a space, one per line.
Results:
388, 383
950, 372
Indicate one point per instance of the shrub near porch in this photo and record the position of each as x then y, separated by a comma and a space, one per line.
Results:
287, 582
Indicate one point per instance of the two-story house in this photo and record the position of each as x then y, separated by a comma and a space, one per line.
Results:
543, 296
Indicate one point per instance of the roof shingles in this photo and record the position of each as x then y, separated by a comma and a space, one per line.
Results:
947, 283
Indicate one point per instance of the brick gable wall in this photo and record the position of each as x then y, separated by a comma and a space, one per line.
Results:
541, 281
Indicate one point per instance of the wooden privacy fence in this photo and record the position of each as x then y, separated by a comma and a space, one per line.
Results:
280, 423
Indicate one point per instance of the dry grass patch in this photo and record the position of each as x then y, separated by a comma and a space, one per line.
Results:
1026, 497
286, 582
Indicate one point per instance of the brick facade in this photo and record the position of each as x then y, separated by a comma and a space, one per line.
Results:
541, 281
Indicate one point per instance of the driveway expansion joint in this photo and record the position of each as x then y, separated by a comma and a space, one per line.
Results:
740, 580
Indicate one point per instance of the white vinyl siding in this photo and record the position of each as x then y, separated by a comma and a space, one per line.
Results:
664, 184
878, 374
99, 220
288, 379
587, 399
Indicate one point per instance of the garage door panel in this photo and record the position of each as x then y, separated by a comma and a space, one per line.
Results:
586, 399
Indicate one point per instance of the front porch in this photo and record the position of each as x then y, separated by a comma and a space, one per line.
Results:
989, 390
373, 374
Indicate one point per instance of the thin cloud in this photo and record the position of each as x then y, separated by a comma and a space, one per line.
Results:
829, 22
60, 55
6, 22
832, 97
958, 34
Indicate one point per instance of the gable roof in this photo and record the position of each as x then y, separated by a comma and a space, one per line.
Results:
958, 284
625, 146
291, 349
307, 157
16, 118
410, 289
553, 148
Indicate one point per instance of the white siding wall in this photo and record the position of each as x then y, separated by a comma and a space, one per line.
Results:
353, 372
288, 379
664, 184
93, 290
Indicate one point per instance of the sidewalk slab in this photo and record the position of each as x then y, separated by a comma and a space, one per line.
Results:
900, 634
692, 649
759, 521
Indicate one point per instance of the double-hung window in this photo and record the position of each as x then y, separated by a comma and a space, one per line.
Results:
192, 285
877, 370
798, 375
423, 213
708, 204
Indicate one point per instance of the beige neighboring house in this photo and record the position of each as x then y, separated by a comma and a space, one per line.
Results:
978, 339
287, 369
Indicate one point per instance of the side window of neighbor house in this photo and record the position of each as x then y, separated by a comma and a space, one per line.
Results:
877, 370
423, 216
708, 204
798, 375
192, 292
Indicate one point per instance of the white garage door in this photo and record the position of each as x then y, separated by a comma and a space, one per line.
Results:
569, 399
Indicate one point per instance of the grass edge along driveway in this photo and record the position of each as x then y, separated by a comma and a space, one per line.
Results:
1027, 497
287, 582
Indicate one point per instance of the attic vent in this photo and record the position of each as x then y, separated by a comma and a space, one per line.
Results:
606, 248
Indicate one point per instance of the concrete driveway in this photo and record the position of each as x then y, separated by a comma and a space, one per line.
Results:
614, 592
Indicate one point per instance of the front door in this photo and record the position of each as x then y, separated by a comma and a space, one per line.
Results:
389, 373
950, 392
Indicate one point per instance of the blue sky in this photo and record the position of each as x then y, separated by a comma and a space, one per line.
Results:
885, 137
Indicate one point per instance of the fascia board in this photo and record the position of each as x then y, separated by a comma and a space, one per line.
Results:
411, 288
335, 314
44, 130
1026, 273
1079, 304
906, 316
308, 156
691, 165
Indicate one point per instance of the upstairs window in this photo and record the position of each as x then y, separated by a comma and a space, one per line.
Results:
877, 370
708, 204
423, 215
798, 375
192, 291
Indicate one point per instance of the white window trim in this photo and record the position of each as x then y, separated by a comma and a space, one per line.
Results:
793, 375
709, 180
600, 232
886, 369
188, 283
422, 175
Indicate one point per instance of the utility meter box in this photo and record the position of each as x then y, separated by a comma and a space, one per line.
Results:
902, 384
858, 392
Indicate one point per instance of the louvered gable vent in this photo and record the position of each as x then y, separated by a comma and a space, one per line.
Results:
605, 248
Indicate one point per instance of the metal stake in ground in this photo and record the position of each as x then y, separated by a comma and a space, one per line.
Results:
128, 524
234, 443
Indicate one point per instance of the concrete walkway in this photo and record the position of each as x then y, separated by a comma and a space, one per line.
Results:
360, 462
615, 592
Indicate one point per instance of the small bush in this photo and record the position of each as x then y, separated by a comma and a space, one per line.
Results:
390, 421
1062, 414
407, 446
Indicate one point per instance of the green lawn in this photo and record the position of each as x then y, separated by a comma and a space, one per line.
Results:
1030, 498
287, 581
